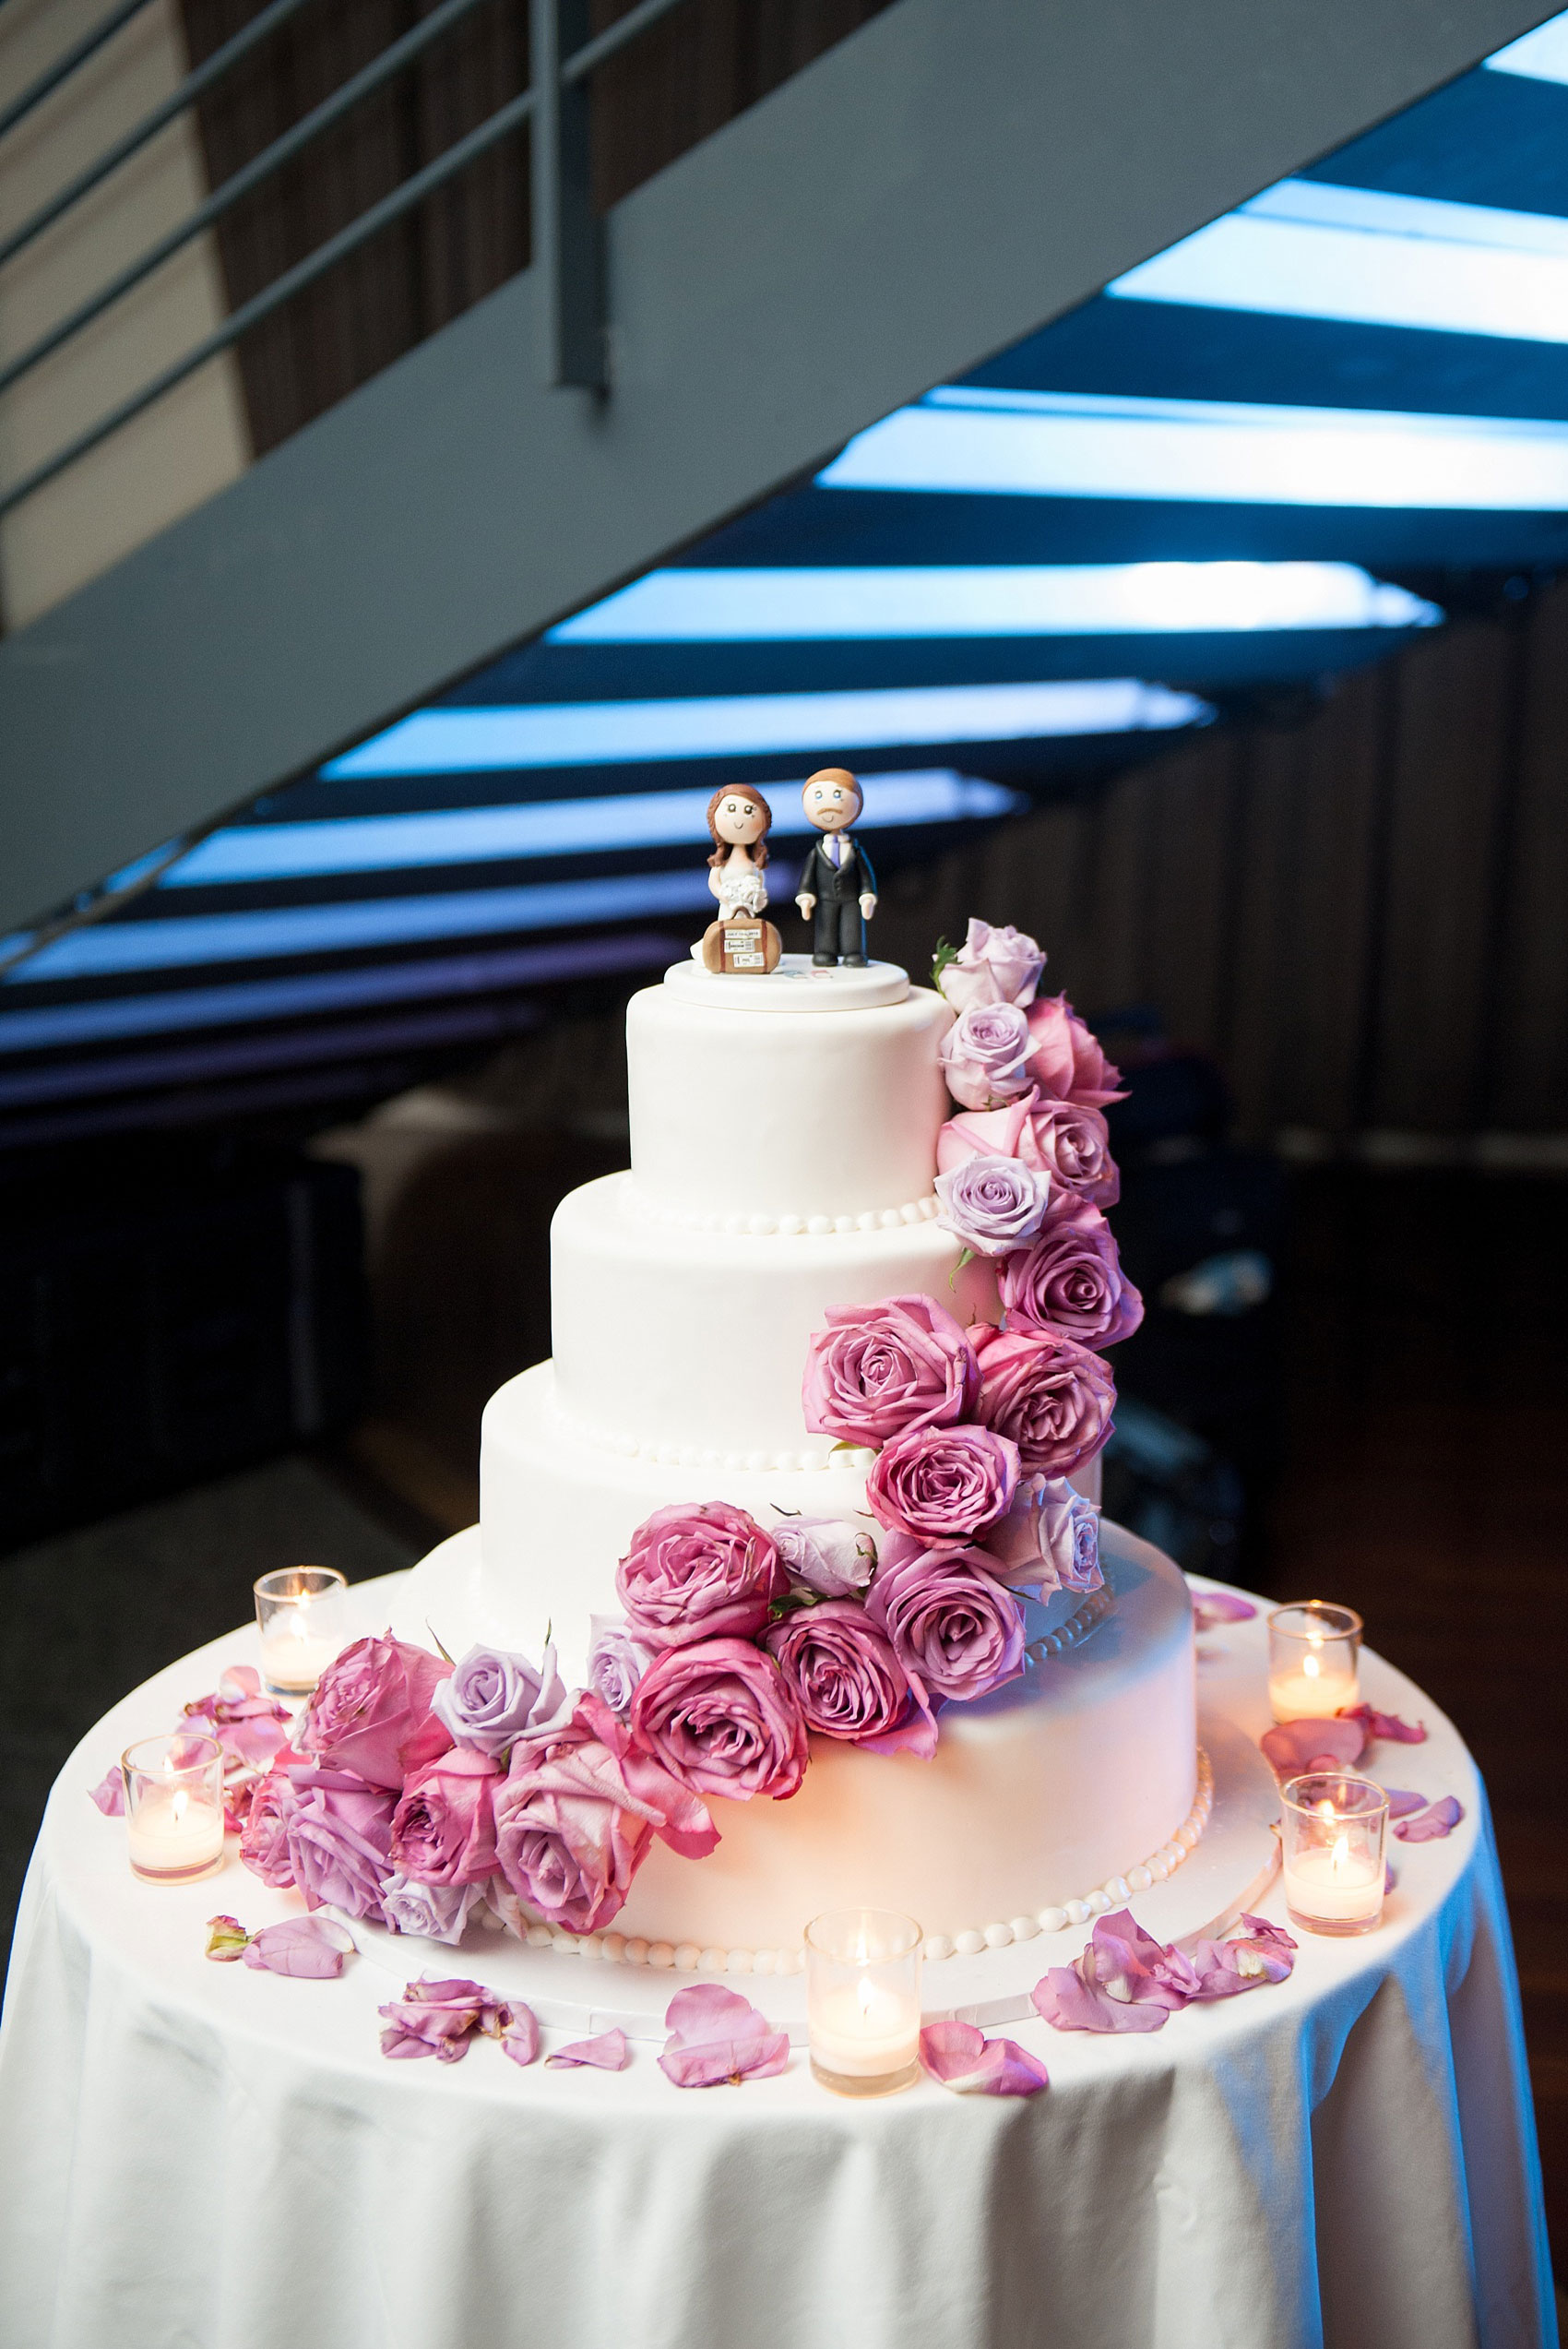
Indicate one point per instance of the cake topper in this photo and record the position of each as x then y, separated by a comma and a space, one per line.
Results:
836, 881
739, 941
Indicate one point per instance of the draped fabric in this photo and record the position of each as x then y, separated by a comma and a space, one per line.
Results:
220, 2159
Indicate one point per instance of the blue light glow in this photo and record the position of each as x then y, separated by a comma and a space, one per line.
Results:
247, 1001
594, 733
1047, 444
551, 828
1542, 56
1305, 250
805, 604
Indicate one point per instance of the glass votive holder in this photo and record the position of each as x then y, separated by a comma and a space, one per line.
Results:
301, 1613
1334, 1828
863, 2000
1313, 1649
174, 1808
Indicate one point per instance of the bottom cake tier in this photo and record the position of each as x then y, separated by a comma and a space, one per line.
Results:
1070, 1780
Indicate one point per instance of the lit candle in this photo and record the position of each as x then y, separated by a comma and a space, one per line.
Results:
174, 1808
1332, 1835
299, 1612
863, 2000
1312, 1660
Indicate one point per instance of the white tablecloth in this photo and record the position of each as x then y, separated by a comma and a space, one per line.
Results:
196, 2156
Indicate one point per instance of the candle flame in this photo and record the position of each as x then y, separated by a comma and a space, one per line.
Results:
180, 1804
866, 1994
1341, 1854
1326, 1808
298, 1627
1311, 1665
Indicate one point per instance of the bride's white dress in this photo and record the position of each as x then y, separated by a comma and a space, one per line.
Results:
740, 888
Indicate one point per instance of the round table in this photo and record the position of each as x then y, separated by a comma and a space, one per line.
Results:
196, 2156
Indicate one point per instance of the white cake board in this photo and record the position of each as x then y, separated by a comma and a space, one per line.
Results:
797, 985
1230, 1871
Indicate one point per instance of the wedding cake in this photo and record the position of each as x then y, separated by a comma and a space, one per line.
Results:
805, 1499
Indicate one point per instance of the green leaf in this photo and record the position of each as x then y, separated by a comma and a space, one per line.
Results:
966, 1258
440, 1651
945, 955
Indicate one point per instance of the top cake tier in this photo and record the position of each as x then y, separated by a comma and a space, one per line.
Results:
803, 1101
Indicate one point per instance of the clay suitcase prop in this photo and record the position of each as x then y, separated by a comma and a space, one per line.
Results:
734, 947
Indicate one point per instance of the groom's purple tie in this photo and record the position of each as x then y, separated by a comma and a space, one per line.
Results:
835, 848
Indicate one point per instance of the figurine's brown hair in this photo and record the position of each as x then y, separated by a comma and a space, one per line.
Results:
838, 775
721, 847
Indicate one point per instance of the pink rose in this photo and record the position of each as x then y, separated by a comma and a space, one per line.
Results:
983, 1055
995, 964
1049, 1394
848, 1681
943, 1484
1064, 1059
371, 1711
443, 1830
721, 1717
828, 1555
875, 1370
1069, 1145
577, 1810
340, 1832
1049, 1540
1071, 1279
953, 1625
698, 1572
264, 1839
993, 1204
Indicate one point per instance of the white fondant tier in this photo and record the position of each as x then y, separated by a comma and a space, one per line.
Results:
743, 1104
1069, 1777
696, 1341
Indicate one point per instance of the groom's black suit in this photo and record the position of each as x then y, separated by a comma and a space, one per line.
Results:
837, 888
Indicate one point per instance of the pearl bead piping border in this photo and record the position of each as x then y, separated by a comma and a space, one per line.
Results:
790, 1227
757, 1463
685, 1957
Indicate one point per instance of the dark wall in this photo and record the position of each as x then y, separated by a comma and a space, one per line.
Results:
1362, 918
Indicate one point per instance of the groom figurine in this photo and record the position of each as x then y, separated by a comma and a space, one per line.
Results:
836, 881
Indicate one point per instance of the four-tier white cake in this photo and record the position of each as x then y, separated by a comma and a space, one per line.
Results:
783, 1144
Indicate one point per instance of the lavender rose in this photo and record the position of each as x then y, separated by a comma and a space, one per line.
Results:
339, 1833
983, 1055
993, 1204
1064, 1060
264, 1839
721, 1717
1049, 1540
443, 1829
1069, 1145
493, 1696
943, 1484
702, 1572
616, 1661
1051, 1396
436, 1911
579, 1806
953, 1625
371, 1712
875, 1370
828, 1555
1071, 1279
848, 1681
995, 964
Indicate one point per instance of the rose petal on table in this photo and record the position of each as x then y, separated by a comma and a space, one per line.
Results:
1264, 1953
1211, 1608
964, 2059
1386, 1724
717, 2035
519, 2038
1291, 1747
1401, 1802
439, 2018
110, 1793
311, 1947
1067, 2003
608, 2052
1389, 1878
1441, 1819
226, 1939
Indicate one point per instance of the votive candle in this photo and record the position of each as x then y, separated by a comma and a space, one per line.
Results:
863, 2000
173, 1808
300, 1612
1313, 1650
1333, 1828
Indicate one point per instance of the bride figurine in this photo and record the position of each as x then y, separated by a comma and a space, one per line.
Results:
740, 939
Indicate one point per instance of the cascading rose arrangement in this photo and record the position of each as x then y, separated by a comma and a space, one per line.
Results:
418, 1787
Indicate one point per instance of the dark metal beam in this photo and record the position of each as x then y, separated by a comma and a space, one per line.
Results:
567, 241
951, 176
